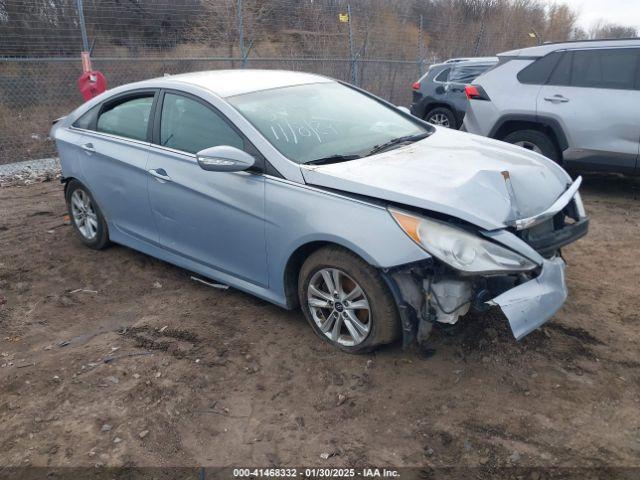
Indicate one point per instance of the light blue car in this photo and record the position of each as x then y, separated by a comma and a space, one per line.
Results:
309, 192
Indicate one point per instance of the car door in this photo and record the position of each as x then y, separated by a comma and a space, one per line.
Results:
592, 94
113, 150
213, 218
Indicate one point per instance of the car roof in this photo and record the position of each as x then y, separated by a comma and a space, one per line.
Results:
542, 50
226, 83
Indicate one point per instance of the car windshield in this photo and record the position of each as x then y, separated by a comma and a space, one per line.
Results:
322, 120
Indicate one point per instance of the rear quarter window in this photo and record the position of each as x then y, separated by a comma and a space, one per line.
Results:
443, 76
540, 70
467, 73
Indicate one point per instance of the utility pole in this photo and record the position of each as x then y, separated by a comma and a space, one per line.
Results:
83, 27
421, 54
352, 53
240, 33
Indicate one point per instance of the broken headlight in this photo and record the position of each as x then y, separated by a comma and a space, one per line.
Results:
458, 248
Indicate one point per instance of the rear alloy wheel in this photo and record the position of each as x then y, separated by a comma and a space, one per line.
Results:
86, 217
346, 301
442, 117
534, 141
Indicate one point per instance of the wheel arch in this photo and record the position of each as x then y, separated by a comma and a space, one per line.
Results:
550, 126
296, 260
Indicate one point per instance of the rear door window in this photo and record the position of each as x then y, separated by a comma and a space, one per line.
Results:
561, 75
190, 126
605, 68
127, 117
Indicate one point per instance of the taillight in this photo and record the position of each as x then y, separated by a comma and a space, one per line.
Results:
475, 92
416, 86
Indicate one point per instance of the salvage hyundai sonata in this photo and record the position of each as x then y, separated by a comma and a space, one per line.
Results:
306, 191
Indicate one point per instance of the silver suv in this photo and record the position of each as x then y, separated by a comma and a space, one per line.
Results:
574, 102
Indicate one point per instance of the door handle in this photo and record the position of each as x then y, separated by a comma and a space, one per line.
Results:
160, 174
556, 99
88, 147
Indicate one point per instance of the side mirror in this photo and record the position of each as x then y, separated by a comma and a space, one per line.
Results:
224, 158
404, 109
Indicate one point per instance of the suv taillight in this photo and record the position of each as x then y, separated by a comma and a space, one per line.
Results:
476, 92
416, 86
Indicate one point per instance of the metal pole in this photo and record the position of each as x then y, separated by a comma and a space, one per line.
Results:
476, 49
352, 54
420, 49
83, 27
241, 34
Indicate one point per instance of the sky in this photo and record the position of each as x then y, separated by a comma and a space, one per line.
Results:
625, 12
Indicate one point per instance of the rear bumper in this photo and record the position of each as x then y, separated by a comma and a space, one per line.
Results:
531, 304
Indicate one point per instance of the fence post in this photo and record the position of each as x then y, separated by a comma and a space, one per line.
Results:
241, 33
352, 53
479, 38
83, 27
420, 49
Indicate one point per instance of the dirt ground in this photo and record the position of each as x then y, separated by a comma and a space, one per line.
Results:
115, 358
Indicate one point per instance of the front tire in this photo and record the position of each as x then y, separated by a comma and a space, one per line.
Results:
346, 302
86, 217
535, 141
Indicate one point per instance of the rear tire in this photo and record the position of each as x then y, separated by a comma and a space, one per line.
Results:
441, 116
86, 217
376, 320
536, 141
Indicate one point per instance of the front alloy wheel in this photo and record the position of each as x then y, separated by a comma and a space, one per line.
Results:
339, 307
346, 301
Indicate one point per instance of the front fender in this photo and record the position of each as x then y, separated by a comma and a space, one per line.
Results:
298, 214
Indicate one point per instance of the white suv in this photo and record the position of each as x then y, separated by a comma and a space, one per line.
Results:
574, 102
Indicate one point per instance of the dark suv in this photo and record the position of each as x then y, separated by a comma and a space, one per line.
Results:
439, 97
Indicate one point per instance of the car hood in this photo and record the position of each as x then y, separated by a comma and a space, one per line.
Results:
482, 181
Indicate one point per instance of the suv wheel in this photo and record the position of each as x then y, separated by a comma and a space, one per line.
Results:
535, 141
346, 302
441, 116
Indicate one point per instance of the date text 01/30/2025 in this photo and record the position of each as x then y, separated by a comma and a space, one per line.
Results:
315, 473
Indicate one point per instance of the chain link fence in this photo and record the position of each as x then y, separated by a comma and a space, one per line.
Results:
380, 45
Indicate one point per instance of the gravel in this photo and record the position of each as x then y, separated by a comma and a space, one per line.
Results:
29, 172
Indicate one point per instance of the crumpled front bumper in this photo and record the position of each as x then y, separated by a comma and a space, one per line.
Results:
531, 304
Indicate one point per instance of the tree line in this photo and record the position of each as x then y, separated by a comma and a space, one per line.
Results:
429, 29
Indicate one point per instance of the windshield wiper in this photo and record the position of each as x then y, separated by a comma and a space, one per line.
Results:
332, 159
398, 141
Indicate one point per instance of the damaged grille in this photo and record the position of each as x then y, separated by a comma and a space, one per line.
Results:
552, 234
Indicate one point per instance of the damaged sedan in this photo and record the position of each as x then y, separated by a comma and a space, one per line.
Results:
309, 192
